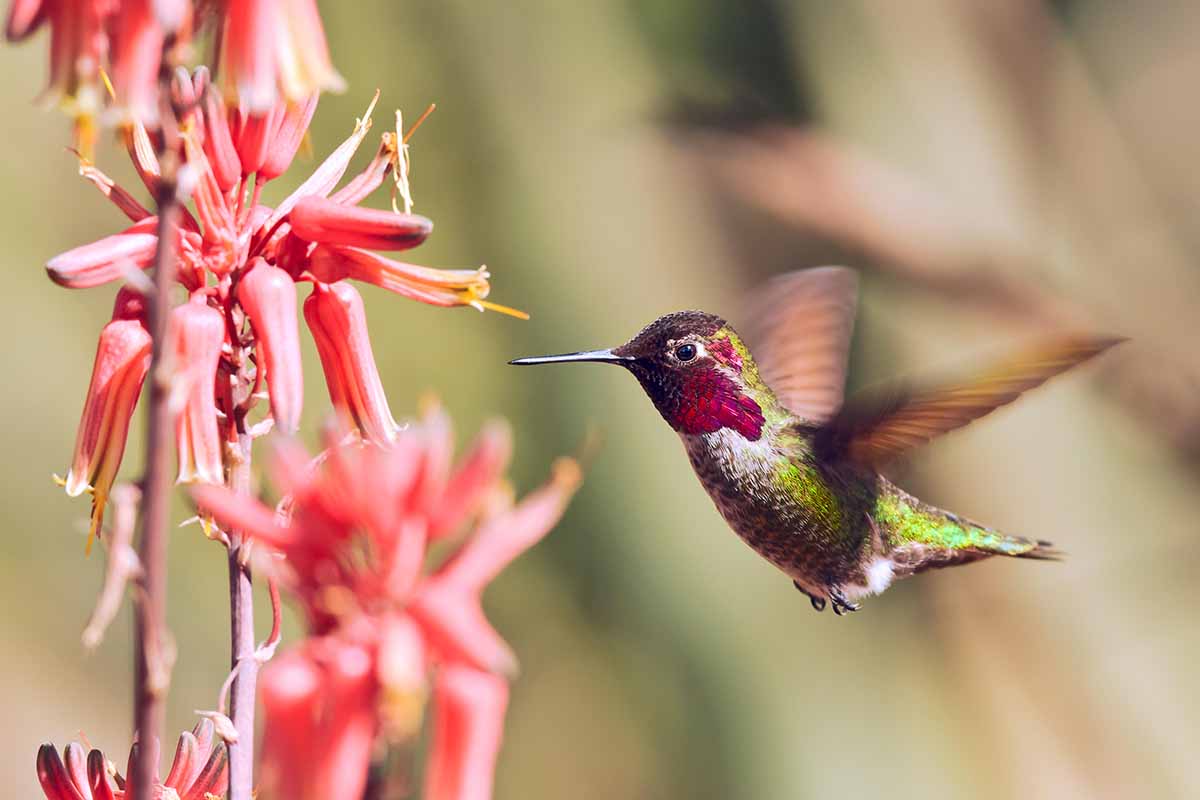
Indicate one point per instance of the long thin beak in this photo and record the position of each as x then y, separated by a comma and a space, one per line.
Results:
603, 356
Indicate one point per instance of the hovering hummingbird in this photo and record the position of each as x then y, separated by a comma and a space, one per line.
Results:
793, 469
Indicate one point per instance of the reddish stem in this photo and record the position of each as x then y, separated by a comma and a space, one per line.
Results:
241, 629
152, 657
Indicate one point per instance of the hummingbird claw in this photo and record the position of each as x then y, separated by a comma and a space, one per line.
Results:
840, 604
818, 602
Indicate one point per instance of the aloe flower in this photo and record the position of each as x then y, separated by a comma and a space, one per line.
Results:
199, 771
240, 261
107, 54
384, 623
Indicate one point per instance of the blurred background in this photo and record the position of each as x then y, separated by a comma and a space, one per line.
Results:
992, 168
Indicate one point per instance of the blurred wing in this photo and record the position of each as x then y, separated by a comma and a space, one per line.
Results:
798, 329
877, 428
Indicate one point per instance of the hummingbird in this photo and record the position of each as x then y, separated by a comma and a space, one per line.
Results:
793, 466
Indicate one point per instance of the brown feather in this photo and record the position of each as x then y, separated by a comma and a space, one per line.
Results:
879, 426
798, 328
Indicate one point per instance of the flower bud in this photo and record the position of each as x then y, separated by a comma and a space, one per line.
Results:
268, 295
106, 259
317, 219
199, 332
335, 316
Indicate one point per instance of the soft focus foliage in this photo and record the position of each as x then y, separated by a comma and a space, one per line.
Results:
989, 165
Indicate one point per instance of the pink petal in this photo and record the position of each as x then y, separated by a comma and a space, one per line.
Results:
317, 219
505, 536
219, 148
134, 57
57, 784
468, 727
256, 137
287, 138
248, 63
438, 287
238, 512
25, 17
458, 631
268, 294
99, 780
478, 472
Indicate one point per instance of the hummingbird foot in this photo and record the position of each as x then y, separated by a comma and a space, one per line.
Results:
818, 602
841, 605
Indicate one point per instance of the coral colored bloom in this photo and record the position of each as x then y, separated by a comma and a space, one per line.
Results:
199, 332
108, 259
319, 700
353, 530
466, 734
122, 360
335, 316
199, 770
269, 296
271, 48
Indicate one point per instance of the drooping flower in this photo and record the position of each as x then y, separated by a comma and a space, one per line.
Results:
122, 360
268, 294
199, 770
107, 54
353, 531
199, 332
338, 323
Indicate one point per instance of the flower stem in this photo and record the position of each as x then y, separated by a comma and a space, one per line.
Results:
241, 630
152, 656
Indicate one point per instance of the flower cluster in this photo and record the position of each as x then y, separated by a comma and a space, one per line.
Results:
355, 530
199, 770
270, 50
240, 261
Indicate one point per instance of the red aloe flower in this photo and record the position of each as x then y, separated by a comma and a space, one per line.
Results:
199, 331
353, 530
198, 771
240, 260
466, 734
273, 47
122, 360
338, 324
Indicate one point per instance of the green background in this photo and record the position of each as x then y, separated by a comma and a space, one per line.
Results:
585, 152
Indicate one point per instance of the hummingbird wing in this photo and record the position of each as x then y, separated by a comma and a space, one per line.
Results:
798, 327
880, 425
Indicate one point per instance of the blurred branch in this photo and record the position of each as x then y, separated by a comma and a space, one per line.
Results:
122, 565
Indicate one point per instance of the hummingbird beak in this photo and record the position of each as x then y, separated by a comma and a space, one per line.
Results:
602, 356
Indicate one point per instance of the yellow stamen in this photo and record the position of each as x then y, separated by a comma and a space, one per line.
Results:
512, 312
112, 93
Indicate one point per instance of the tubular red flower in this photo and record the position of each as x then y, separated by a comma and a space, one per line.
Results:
320, 721
268, 294
467, 731
317, 219
106, 259
335, 316
256, 134
199, 333
200, 769
437, 287
219, 146
274, 47
122, 360
135, 53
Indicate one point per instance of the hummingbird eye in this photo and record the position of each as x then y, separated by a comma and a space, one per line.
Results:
685, 352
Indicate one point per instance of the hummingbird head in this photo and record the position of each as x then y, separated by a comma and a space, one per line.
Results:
695, 369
